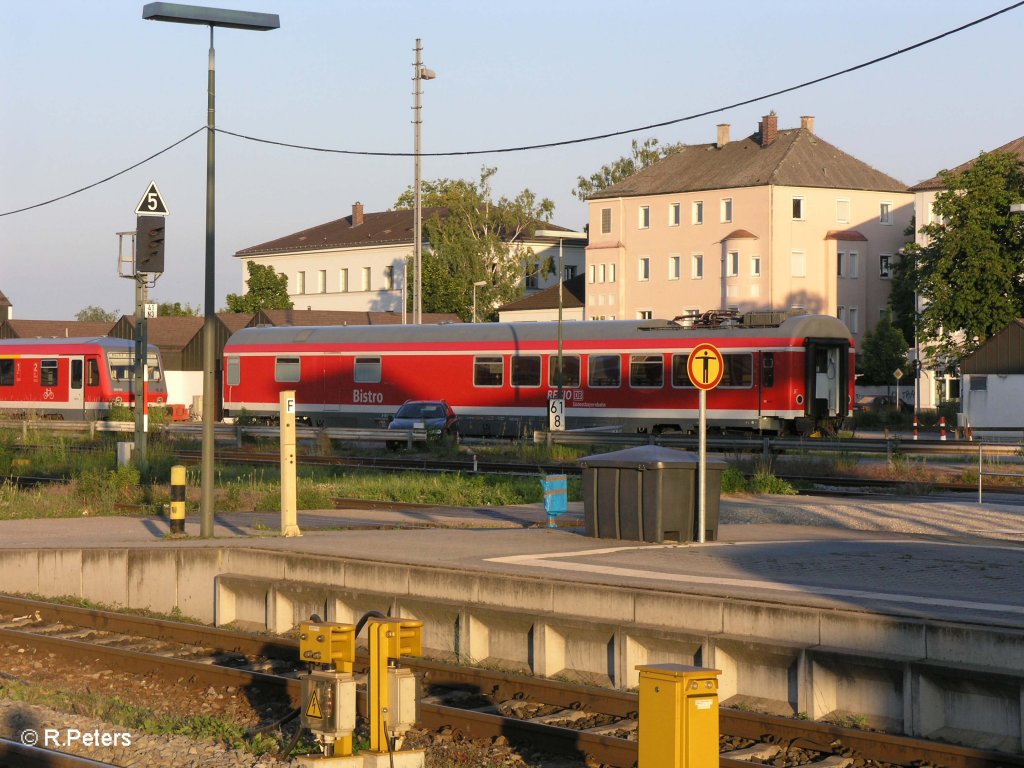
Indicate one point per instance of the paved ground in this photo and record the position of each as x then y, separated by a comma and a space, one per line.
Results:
944, 558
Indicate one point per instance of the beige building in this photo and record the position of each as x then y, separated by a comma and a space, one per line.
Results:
776, 220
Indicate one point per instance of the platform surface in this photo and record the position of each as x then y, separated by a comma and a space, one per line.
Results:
946, 558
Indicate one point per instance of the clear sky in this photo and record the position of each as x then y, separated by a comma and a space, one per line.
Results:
89, 89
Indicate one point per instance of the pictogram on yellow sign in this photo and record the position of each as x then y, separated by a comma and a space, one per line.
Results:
313, 710
705, 366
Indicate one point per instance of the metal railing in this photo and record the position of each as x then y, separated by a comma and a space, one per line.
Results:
982, 473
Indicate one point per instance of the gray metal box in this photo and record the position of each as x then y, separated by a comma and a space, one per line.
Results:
648, 494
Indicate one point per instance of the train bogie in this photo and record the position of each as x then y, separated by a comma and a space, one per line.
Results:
795, 375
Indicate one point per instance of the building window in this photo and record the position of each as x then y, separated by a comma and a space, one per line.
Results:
842, 211
755, 266
936, 217
673, 267
884, 267
726, 210
979, 384
697, 212
852, 264
840, 263
569, 271
798, 209
366, 278
644, 220
798, 264
286, 369
366, 370
300, 282
606, 221
644, 314
841, 312
611, 273
592, 273
644, 269
732, 263
602, 272
531, 275
697, 266
343, 280
673, 214
321, 281
885, 213
851, 319
389, 278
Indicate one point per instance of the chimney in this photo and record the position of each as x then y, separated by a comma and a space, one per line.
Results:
807, 123
357, 214
769, 129
723, 135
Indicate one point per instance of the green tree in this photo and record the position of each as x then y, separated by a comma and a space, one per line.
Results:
166, 309
970, 276
883, 351
94, 314
644, 154
478, 239
266, 290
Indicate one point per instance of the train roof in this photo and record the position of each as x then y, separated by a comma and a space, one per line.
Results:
801, 326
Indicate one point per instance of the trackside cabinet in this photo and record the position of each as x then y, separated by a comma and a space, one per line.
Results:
678, 716
648, 493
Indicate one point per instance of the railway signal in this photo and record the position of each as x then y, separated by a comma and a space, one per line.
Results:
149, 244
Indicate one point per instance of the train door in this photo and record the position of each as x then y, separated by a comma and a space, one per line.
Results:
76, 385
827, 361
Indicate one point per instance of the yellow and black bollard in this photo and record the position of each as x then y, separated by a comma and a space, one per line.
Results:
177, 499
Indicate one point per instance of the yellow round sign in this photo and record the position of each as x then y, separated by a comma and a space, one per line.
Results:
705, 366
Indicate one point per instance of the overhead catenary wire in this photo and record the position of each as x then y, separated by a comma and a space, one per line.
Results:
550, 144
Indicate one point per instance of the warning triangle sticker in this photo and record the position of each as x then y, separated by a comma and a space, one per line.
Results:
313, 710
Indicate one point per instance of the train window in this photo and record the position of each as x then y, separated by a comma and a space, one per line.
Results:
525, 370
570, 371
77, 374
680, 378
487, 371
92, 373
366, 370
6, 373
646, 371
48, 373
286, 369
604, 370
234, 371
768, 369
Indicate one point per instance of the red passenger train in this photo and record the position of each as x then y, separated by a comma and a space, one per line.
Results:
781, 373
73, 378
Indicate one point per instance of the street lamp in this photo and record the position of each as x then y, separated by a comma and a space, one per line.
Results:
211, 17
420, 73
562, 235
477, 284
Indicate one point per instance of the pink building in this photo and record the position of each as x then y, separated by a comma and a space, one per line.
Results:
776, 220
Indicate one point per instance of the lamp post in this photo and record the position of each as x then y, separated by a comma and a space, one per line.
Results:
420, 73
211, 17
477, 284
562, 235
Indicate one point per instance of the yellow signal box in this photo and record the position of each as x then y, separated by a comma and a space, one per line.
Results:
327, 643
678, 716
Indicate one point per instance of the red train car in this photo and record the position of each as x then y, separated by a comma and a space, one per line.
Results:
781, 373
73, 378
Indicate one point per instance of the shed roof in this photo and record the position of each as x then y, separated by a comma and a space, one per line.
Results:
573, 295
52, 329
1002, 354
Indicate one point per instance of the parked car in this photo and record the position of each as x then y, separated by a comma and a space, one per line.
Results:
436, 416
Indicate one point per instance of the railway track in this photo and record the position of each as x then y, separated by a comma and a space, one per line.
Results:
593, 724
